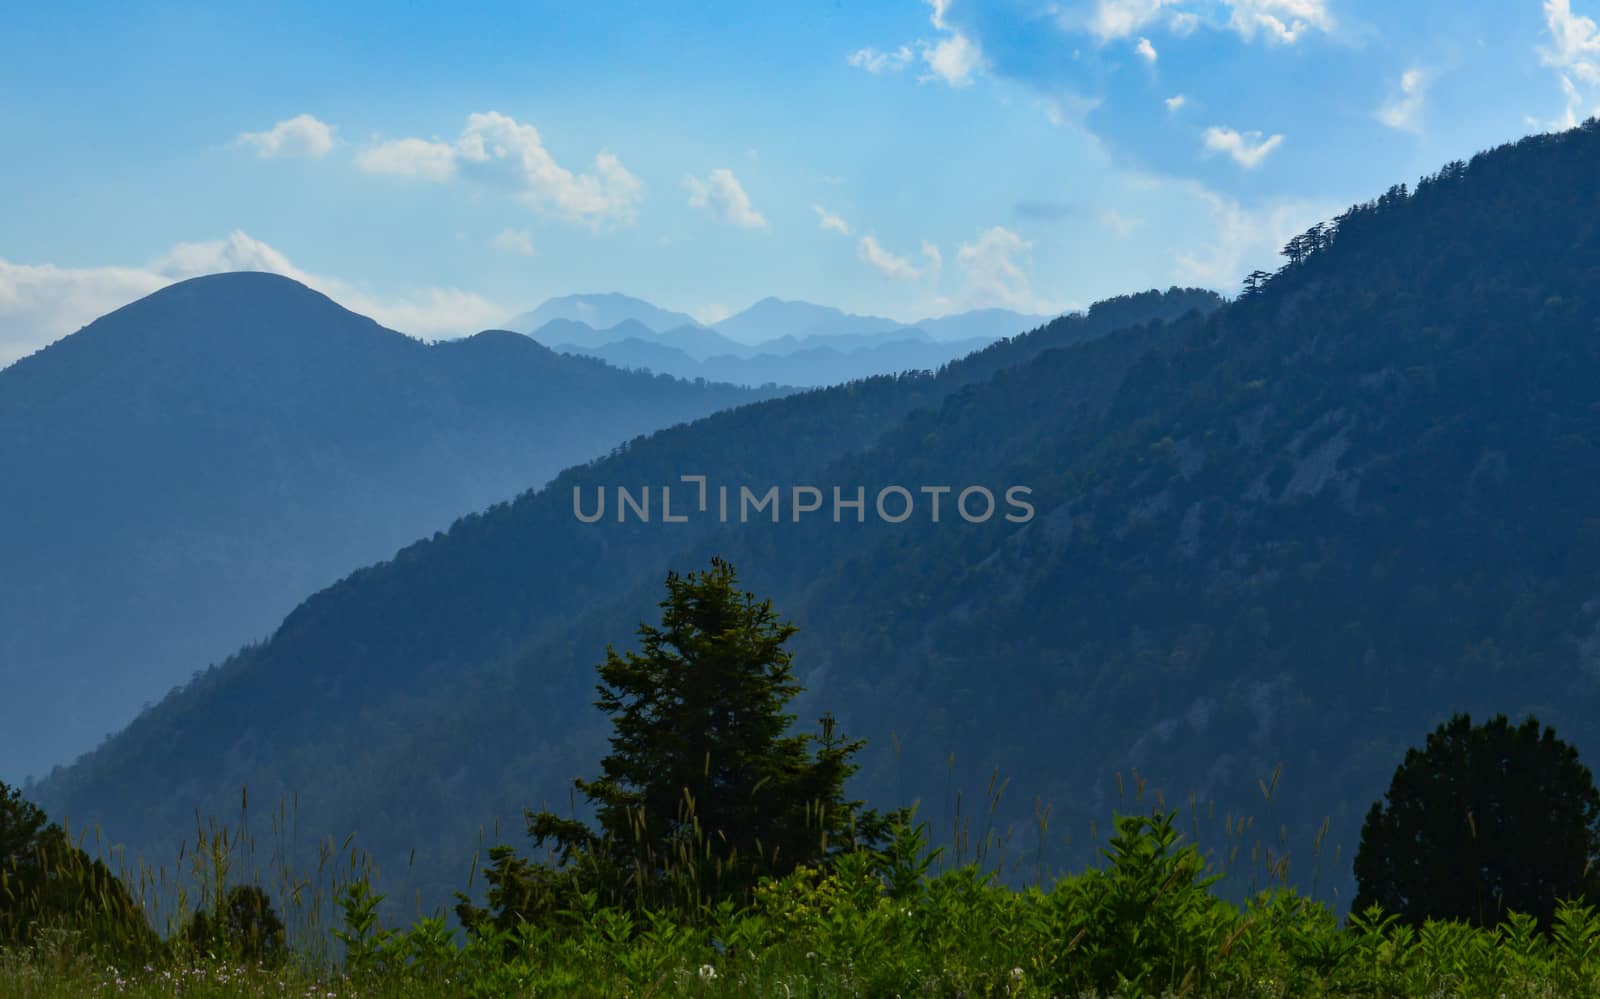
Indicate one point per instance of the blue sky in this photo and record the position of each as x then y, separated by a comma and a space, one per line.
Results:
441, 167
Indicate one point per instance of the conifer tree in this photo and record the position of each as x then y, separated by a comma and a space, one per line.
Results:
706, 788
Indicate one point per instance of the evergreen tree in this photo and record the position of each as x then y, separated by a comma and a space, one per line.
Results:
1483, 821
705, 788
47, 881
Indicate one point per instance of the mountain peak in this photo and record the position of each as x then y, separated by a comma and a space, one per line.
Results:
602, 310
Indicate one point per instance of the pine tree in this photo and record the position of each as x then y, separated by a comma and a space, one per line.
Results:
1483, 821
705, 788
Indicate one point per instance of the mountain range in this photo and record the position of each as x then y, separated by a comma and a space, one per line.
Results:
181, 472
777, 342
1272, 543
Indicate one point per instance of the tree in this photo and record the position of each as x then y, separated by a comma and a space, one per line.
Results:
705, 789
1484, 820
48, 881
247, 929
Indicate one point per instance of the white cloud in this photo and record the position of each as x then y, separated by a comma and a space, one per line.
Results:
831, 222
1113, 19
1248, 149
1145, 50
1279, 21
724, 197
935, 261
886, 263
42, 303
955, 59
410, 158
874, 61
1404, 112
500, 153
995, 271
1575, 57
1175, 102
301, 135
518, 241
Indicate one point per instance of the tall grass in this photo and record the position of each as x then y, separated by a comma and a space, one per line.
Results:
975, 910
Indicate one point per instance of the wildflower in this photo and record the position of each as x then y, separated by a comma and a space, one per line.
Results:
707, 973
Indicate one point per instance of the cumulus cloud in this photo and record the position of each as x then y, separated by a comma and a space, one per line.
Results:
43, 302
1575, 56
500, 153
1278, 21
886, 263
953, 57
1145, 50
1113, 19
935, 261
995, 271
831, 222
410, 158
302, 135
1175, 102
517, 241
721, 194
874, 61
40, 303
1404, 112
1248, 149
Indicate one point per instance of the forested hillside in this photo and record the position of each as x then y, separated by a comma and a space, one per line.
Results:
357, 671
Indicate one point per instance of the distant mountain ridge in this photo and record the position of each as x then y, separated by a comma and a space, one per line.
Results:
819, 345
601, 311
180, 472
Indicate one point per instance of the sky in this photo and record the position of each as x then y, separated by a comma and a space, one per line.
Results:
442, 167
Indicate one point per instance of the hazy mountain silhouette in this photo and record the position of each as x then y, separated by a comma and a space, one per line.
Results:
601, 311
180, 472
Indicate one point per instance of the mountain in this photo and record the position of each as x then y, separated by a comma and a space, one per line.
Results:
807, 362
695, 342
772, 318
832, 347
979, 323
180, 472
507, 603
601, 311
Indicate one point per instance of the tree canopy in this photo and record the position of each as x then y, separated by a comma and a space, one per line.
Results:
706, 789
1482, 821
